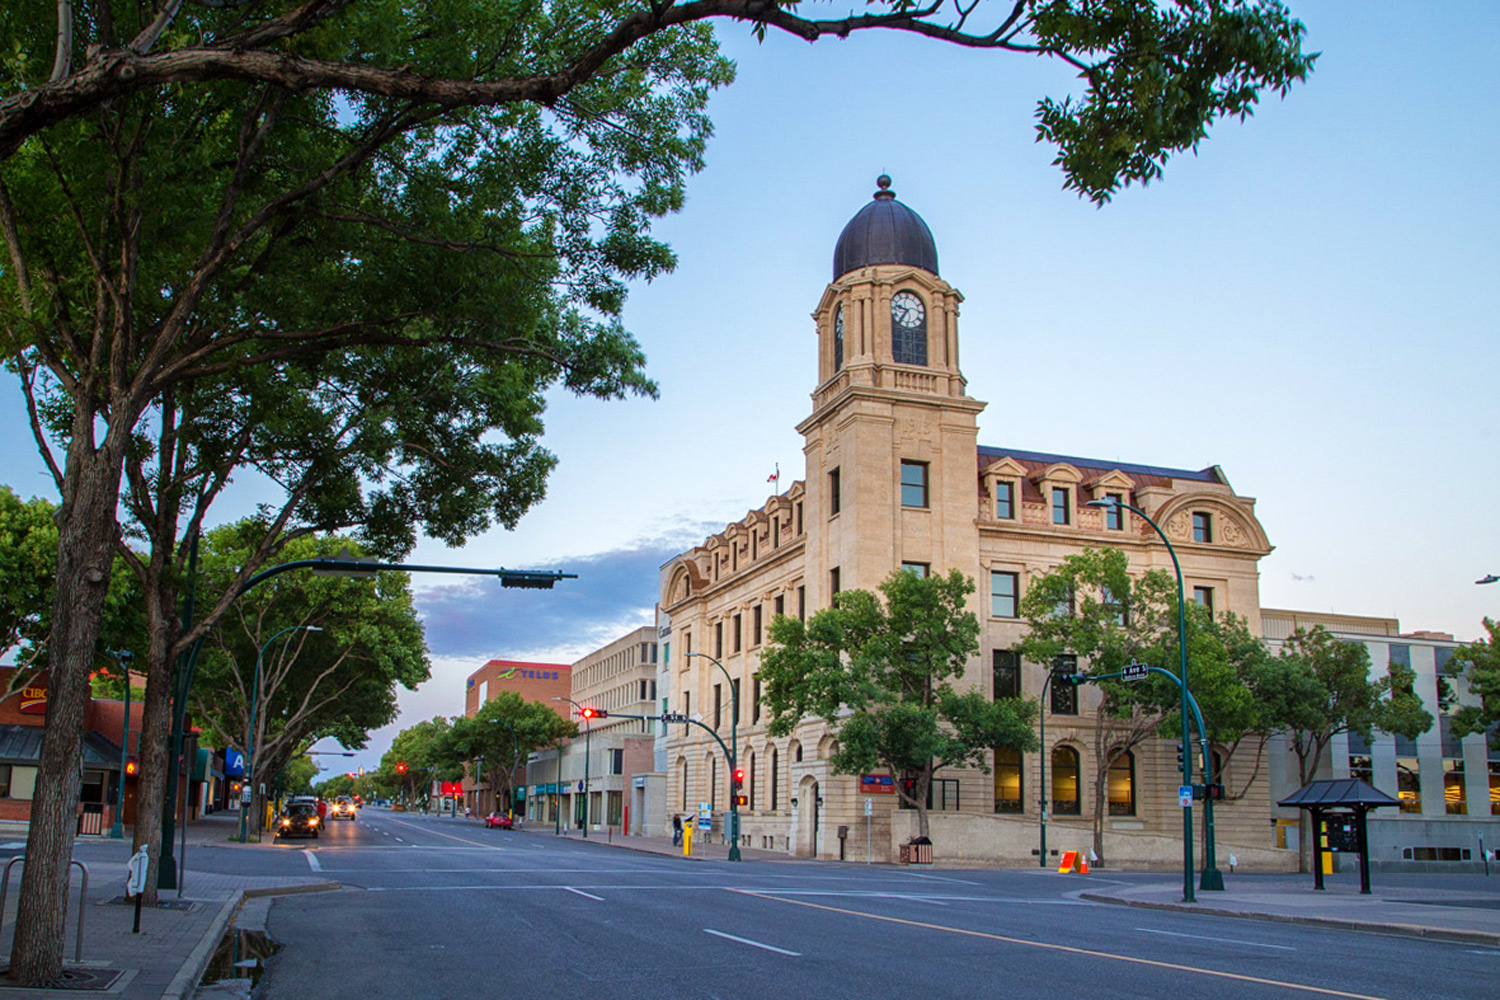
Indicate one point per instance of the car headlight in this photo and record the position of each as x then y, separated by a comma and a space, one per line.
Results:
286, 822
313, 821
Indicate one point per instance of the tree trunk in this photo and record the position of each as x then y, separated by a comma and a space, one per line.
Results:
156, 724
85, 554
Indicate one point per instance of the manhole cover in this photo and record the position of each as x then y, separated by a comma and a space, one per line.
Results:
71, 979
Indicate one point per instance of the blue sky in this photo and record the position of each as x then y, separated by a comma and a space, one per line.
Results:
1310, 302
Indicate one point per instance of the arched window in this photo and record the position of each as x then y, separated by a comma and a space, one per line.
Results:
908, 329
1008, 797
1121, 784
838, 339
1065, 799
775, 775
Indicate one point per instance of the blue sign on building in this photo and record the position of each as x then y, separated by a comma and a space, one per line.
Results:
234, 763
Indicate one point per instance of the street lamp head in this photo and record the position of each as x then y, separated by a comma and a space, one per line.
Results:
1489, 578
1103, 502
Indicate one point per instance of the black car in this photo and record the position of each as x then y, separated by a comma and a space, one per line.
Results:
299, 820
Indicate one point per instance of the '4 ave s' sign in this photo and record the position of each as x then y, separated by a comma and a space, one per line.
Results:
1135, 672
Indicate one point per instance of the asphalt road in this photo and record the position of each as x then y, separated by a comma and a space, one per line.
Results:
435, 909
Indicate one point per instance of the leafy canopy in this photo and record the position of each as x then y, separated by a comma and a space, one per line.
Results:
1478, 663
882, 674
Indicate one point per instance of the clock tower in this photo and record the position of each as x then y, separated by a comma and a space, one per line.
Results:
891, 445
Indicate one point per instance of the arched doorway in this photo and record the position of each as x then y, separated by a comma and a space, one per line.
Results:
809, 810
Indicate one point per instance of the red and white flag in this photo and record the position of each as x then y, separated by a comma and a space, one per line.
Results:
775, 477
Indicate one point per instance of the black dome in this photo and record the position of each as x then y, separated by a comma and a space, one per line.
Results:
884, 232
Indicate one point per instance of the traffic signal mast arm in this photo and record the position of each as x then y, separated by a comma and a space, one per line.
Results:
1192, 703
671, 719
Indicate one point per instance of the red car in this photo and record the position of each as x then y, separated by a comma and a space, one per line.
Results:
500, 820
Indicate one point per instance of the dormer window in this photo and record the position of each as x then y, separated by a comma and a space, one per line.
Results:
1062, 512
1005, 500
1114, 515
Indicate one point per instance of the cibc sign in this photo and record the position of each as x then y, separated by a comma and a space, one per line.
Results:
33, 700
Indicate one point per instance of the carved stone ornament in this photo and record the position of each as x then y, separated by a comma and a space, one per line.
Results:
1180, 527
1231, 533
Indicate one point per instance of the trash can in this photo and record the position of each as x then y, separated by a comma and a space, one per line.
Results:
904, 854
921, 854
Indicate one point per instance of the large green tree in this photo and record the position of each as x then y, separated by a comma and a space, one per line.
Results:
246, 190
1319, 686
881, 673
501, 735
1092, 609
1478, 663
338, 682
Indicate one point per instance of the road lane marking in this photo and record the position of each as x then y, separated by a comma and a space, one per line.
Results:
1071, 949
1205, 937
580, 892
312, 861
461, 840
753, 944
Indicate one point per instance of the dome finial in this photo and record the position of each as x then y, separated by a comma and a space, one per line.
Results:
883, 182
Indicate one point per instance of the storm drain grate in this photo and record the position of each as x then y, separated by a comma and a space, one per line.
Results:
86, 980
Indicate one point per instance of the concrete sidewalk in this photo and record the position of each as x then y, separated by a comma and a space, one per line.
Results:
174, 946
1465, 910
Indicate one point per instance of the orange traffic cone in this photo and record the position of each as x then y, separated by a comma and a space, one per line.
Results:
1083, 865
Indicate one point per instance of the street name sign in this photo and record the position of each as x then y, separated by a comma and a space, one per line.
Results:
1135, 672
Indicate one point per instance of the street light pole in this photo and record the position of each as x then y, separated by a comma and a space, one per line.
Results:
734, 755
250, 740
1212, 878
1046, 800
588, 731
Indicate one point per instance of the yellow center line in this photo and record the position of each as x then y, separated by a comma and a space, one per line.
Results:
1067, 948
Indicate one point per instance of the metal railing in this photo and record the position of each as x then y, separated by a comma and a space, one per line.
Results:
83, 890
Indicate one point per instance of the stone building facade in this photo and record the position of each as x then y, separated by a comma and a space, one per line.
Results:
896, 478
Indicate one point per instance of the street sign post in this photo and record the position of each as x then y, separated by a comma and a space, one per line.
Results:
869, 812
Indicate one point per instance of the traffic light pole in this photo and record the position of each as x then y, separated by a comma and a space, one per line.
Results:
1212, 878
669, 719
734, 754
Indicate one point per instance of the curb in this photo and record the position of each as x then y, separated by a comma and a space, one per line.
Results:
191, 970
291, 890
186, 981
1338, 923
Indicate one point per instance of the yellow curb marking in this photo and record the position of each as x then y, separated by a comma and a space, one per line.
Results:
1067, 948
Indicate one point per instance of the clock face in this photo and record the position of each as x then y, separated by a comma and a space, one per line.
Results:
907, 310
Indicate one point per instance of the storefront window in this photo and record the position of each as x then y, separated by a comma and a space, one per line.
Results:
1455, 801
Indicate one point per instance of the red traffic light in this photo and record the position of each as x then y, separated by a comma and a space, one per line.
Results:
739, 776
589, 712
401, 768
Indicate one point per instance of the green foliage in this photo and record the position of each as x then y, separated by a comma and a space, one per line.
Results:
298, 774
1158, 75
881, 675
28, 569
340, 682
1478, 663
1320, 686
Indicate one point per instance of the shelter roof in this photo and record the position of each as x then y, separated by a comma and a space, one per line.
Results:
1334, 793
